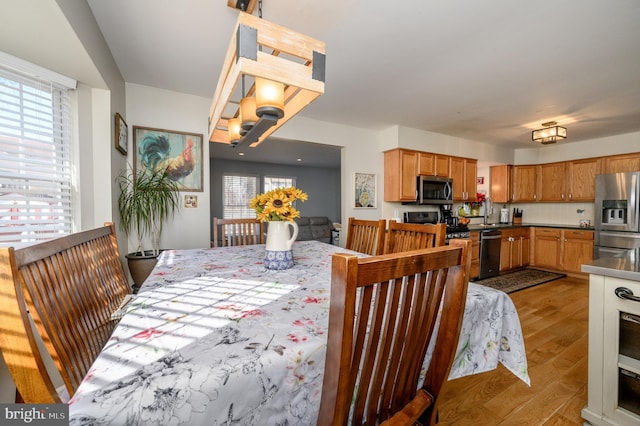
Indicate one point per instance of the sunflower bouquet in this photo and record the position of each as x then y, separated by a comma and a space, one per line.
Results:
277, 205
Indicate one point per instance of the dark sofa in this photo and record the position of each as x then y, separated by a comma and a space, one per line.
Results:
314, 228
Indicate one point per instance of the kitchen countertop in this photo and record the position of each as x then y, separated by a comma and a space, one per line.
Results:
624, 266
479, 227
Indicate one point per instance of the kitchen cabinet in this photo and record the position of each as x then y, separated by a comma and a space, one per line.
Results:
400, 175
622, 163
547, 245
551, 182
514, 248
464, 172
475, 254
577, 248
562, 249
500, 185
524, 183
580, 180
431, 164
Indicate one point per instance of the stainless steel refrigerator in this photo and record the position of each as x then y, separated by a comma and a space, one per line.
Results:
617, 213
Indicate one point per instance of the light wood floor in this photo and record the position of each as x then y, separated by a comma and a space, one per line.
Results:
554, 323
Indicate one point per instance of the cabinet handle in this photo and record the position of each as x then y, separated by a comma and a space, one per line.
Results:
625, 293
570, 196
562, 196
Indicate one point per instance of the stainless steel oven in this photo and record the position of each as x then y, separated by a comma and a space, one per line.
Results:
629, 380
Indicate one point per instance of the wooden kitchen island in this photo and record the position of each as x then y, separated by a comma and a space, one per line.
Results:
614, 341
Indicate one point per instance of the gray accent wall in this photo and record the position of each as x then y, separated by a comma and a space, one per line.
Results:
321, 184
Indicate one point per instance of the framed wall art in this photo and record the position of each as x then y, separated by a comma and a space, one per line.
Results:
121, 132
364, 190
178, 152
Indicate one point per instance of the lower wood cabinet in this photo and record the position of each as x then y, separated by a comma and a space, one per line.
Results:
562, 249
577, 249
546, 248
514, 248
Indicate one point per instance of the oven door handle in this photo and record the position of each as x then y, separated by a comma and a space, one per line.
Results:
625, 293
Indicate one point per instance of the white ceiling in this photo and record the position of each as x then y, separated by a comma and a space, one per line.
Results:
489, 70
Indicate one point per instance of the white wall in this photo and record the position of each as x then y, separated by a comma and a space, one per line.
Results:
563, 151
163, 109
63, 36
361, 153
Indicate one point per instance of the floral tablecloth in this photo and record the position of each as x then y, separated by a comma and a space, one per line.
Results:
214, 338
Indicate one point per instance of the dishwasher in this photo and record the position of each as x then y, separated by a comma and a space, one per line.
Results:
490, 240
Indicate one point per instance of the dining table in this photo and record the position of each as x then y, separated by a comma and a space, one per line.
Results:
215, 338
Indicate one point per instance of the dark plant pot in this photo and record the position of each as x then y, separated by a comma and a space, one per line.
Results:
141, 266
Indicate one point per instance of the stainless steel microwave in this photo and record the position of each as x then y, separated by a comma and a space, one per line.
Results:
434, 190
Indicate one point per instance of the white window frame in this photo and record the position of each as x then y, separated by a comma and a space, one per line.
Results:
273, 182
36, 180
240, 209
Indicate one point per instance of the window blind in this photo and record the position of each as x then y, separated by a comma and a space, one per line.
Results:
272, 182
35, 159
237, 191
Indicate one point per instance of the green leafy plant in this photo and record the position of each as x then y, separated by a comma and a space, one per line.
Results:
147, 199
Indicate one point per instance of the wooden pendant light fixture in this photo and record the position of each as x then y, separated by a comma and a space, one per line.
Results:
290, 66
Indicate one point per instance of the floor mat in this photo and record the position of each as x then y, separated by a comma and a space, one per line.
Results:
520, 280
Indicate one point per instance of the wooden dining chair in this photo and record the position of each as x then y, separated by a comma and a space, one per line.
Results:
57, 300
384, 312
413, 236
366, 236
237, 232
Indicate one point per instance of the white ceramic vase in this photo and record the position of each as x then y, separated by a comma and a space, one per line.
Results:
280, 238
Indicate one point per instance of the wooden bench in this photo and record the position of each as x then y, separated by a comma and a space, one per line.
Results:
62, 292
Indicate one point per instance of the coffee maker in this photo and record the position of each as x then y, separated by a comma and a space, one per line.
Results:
446, 215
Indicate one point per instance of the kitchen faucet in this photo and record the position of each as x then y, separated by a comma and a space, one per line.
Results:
487, 205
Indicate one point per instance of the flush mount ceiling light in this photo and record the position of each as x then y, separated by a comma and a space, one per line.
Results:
286, 71
550, 134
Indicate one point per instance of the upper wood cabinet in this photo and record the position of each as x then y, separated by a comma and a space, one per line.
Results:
402, 167
551, 182
500, 185
464, 172
580, 179
431, 164
400, 175
524, 183
622, 163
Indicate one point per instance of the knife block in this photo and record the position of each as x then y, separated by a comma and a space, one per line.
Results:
517, 220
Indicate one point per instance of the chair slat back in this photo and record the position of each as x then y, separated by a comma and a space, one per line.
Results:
69, 287
384, 310
414, 236
366, 236
237, 232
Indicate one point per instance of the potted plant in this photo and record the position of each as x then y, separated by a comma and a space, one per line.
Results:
147, 199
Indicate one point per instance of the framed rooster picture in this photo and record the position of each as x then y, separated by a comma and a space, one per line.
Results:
180, 153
